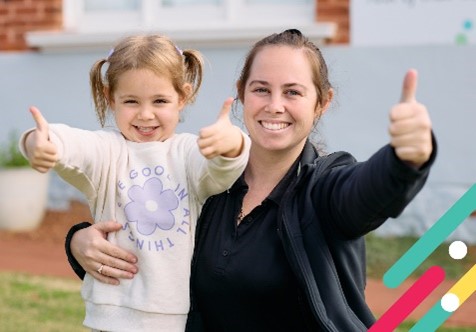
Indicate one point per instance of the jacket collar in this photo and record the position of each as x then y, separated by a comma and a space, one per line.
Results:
309, 153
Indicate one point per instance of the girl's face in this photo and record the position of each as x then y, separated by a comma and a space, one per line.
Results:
146, 106
280, 99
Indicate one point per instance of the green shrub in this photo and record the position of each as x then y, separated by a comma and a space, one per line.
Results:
10, 155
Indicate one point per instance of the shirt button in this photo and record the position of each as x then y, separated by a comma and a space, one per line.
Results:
225, 253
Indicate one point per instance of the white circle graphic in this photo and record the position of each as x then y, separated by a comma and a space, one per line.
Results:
450, 302
458, 250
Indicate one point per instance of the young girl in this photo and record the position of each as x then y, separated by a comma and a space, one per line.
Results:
145, 176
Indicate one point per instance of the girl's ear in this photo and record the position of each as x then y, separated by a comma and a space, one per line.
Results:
109, 99
187, 88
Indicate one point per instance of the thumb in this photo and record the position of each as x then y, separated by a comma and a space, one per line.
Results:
409, 86
41, 123
226, 108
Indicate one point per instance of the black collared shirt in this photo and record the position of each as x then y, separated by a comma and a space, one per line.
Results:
243, 280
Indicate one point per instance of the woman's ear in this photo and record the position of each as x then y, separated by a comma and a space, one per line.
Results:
239, 91
330, 96
320, 110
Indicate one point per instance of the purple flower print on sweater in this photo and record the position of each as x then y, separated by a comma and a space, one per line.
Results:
151, 206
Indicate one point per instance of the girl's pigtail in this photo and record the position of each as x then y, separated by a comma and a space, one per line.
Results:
193, 71
98, 91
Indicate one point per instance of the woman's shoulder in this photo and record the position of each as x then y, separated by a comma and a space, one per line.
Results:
338, 158
313, 156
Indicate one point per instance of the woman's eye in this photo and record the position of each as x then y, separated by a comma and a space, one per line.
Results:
293, 93
261, 90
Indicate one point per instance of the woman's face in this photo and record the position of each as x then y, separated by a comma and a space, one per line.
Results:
280, 99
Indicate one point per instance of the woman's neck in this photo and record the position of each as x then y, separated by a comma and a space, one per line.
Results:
266, 168
264, 171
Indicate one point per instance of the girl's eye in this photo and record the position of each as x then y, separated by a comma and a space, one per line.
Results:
130, 101
160, 101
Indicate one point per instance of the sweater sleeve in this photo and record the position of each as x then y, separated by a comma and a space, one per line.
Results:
360, 196
77, 268
213, 176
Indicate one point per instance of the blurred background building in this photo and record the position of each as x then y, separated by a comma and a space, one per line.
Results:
48, 46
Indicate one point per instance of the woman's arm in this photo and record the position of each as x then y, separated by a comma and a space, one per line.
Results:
88, 249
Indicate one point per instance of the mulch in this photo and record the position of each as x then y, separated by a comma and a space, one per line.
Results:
41, 252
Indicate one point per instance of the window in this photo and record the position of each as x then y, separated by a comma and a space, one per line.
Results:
91, 15
196, 21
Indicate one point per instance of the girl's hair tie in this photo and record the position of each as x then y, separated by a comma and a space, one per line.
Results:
111, 52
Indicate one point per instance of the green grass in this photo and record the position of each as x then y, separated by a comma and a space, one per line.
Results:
10, 156
405, 327
382, 253
43, 304
46, 304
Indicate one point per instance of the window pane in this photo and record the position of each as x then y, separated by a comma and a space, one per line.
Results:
276, 2
111, 5
172, 3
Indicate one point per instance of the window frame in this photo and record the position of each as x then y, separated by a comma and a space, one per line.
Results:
236, 22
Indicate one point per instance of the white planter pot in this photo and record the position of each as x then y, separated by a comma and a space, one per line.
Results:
23, 198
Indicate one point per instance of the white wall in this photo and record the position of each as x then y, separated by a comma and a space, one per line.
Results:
367, 81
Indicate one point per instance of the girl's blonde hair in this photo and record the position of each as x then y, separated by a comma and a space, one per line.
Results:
154, 52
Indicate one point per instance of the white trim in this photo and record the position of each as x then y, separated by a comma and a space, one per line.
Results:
216, 36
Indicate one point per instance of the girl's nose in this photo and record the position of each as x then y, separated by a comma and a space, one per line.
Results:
145, 114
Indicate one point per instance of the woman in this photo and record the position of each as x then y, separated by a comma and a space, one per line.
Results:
283, 249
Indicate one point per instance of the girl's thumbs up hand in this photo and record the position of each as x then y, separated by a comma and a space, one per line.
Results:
40, 151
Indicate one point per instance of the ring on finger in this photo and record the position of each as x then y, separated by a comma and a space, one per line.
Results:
100, 269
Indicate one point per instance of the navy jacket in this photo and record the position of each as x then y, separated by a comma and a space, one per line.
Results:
332, 202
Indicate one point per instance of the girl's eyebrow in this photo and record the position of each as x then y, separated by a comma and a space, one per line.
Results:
127, 95
154, 96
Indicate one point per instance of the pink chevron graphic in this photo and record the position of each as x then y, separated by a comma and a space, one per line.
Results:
418, 292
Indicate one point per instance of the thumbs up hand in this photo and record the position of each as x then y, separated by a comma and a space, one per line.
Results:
222, 137
410, 125
41, 152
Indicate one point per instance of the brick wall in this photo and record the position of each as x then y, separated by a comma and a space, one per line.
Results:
19, 16
335, 11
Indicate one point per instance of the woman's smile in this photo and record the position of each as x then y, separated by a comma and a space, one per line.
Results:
274, 126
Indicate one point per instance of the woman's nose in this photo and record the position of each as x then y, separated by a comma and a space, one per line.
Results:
275, 106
